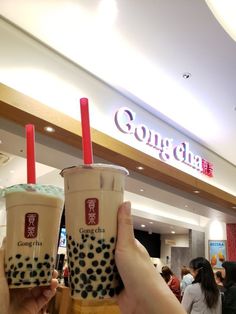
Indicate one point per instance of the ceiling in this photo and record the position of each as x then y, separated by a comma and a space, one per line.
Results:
143, 48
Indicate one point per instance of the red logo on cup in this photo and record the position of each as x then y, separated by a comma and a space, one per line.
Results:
91, 211
31, 225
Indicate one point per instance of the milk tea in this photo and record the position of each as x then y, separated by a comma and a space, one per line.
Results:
92, 196
33, 221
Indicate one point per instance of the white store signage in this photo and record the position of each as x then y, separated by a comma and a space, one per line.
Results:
166, 150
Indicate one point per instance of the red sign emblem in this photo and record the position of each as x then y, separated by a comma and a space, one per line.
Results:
31, 225
91, 211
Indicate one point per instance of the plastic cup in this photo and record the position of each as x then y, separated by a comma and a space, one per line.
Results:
93, 194
33, 221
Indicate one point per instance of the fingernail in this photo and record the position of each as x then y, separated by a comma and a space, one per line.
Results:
127, 207
47, 293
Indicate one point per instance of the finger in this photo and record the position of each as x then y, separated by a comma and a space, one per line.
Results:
55, 273
125, 232
2, 273
54, 284
45, 297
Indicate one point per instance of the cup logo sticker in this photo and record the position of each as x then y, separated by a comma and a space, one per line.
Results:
31, 225
91, 211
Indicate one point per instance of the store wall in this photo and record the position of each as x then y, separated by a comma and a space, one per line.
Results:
38, 72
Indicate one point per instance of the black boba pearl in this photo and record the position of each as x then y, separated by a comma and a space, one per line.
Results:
26, 283
82, 263
75, 250
18, 255
12, 266
108, 270
9, 281
89, 288
113, 252
76, 280
48, 273
81, 246
112, 262
100, 241
72, 292
95, 263
94, 294
84, 294
99, 271
71, 264
112, 292
77, 270
44, 281
89, 271
27, 259
93, 238
108, 246
91, 247
17, 284
72, 273
103, 263
77, 291
106, 255
98, 250
103, 278
70, 254
46, 256
92, 277
86, 235
104, 292
39, 265
90, 255
15, 273
112, 240
81, 255
42, 273
111, 277
68, 245
36, 259
37, 282
73, 243
33, 273
10, 258
83, 277
70, 238
72, 286
100, 287
104, 246
22, 275
108, 286
47, 265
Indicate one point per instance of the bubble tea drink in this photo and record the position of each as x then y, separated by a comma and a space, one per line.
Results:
93, 194
33, 220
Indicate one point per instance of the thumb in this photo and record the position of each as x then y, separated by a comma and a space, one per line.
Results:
125, 233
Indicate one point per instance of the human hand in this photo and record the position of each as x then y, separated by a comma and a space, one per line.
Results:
23, 300
145, 291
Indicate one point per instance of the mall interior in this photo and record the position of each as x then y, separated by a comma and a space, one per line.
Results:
162, 104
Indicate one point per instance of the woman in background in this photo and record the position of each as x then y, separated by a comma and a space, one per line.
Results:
187, 279
172, 281
229, 298
203, 295
219, 281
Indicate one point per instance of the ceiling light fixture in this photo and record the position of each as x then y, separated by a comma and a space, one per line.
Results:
151, 222
196, 191
141, 190
49, 129
224, 12
234, 207
173, 232
143, 226
140, 168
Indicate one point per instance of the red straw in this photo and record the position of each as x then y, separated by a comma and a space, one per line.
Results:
86, 137
30, 153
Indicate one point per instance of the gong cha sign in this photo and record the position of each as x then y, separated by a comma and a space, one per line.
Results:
166, 150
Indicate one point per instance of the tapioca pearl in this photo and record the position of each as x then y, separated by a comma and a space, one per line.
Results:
51, 259
90, 255
81, 246
37, 282
33, 273
103, 263
44, 281
42, 273
81, 255
106, 255
103, 278
108, 246
98, 250
111, 277
73, 243
99, 271
9, 273
113, 251
10, 258
47, 264
20, 265
94, 294
18, 256
100, 241
75, 251
71, 264
9, 281
92, 277
84, 294
108, 270
72, 273
76, 280
17, 284
86, 236
112, 240
48, 273
104, 246
83, 277
112, 292
36, 259
27, 258
70, 254
12, 266
100, 287
72, 285
22, 275
92, 238
115, 270
77, 291
104, 292
95, 263
70, 238
68, 245
82, 263
108, 286
46, 256
91, 246
15, 273
39, 265
89, 271
89, 288
112, 262
77, 270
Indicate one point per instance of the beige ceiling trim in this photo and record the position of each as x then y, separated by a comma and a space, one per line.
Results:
22, 109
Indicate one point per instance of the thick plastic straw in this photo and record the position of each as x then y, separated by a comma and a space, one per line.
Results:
86, 137
30, 153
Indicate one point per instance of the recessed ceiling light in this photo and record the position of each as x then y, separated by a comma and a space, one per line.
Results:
49, 129
140, 168
151, 222
141, 190
186, 205
187, 75
143, 226
196, 191
234, 207
173, 232
12, 171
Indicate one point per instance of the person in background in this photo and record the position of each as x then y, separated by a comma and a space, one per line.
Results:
229, 298
172, 281
219, 281
203, 295
186, 279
